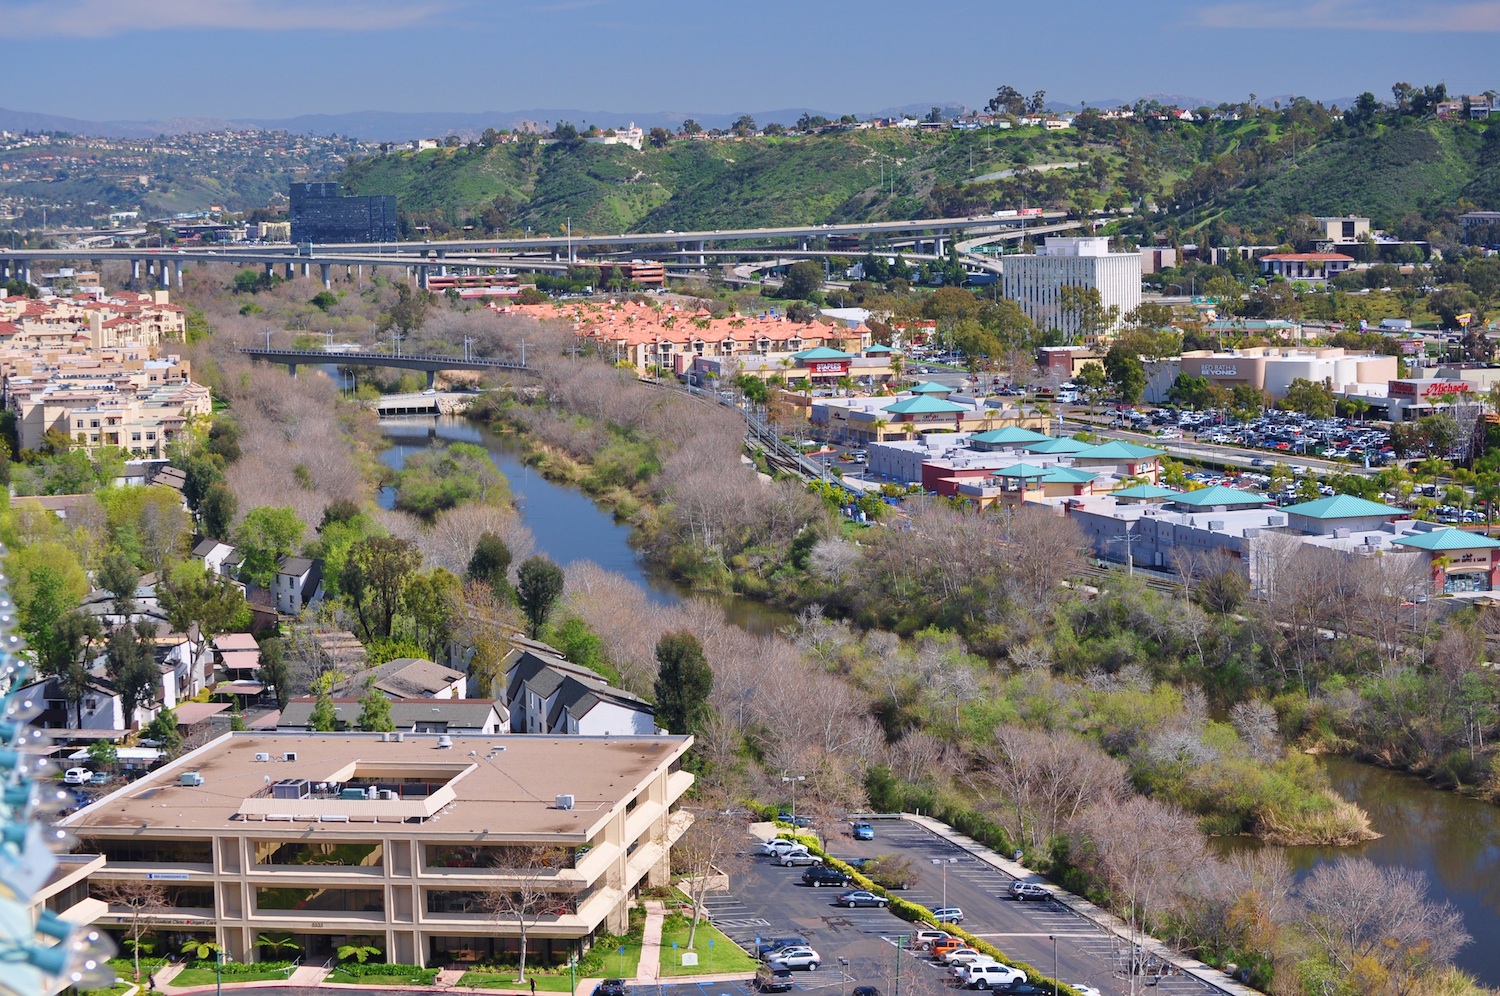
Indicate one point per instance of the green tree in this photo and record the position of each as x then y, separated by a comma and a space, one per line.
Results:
1191, 392
130, 663
490, 564
373, 579
1091, 378
276, 670
119, 576
324, 718
802, 278
103, 754
45, 602
684, 682
217, 509
429, 601
539, 584
164, 730
265, 535
1312, 400
375, 712
1084, 313
193, 595
1126, 373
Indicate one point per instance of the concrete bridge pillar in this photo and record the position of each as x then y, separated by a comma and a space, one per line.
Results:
270, 269
431, 379
306, 270
422, 277
177, 272
26, 271
556, 254
941, 246
292, 368
327, 271
163, 276
803, 245
702, 259
291, 271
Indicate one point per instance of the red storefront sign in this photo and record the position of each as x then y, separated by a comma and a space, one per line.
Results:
829, 366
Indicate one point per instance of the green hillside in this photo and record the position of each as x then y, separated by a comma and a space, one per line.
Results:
1252, 175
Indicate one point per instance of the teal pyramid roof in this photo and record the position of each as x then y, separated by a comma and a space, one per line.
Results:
1146, 492
1341, 507
1440, 540
1009, 434
1218, 495
1117, 449
878, 348
923, 405
1061, 444
931, 387
1068, 475
1023, 470
822, 353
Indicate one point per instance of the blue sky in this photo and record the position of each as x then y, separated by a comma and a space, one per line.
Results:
144, 59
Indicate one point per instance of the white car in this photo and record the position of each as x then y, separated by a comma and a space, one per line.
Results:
797, 957
990, 975
1084, 990
77, 776
798, 856
964, 957
777, 846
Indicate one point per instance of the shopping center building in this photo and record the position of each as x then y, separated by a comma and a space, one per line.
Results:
405, 840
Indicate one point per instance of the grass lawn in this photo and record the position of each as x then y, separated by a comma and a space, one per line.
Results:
124, 967
724, 956
507, 980
422, 978
197, 976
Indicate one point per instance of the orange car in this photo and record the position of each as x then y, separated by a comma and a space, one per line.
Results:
942, 947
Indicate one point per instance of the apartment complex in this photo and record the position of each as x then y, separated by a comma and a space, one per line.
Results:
91, 321
1036, 281
321, 213
401, 838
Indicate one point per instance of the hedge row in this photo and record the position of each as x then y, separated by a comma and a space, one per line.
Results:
918, 914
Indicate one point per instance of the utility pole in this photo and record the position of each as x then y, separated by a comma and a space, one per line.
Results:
945, 862
1129, 539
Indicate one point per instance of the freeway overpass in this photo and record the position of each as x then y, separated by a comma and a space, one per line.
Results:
294, 358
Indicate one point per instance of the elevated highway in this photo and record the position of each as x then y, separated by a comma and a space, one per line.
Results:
431, 365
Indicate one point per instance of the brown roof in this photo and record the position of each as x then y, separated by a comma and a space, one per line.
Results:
499, 784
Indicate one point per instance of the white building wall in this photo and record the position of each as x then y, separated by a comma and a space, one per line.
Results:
611, 719
1036, 283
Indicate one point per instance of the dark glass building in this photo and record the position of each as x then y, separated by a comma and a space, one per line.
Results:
321, 213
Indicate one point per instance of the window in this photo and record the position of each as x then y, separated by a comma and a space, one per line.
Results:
93, 423
151, 851
317, 898
135, 437
150, 435
346, 855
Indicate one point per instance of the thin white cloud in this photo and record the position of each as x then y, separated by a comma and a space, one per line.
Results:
24, 19
1356, 15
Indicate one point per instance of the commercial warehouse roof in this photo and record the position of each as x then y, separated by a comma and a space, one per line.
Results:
1218, 495
1440, 540
1117, 449
924, 405
495, 785
1063, 445
1145, 492
1010, 435
1342, 507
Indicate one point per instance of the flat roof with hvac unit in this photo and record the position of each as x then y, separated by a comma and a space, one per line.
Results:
399, 837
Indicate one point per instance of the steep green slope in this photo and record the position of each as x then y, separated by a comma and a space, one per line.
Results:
1382, 176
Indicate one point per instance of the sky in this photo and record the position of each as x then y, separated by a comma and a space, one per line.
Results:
157, 59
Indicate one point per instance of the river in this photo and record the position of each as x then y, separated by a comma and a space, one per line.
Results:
1453, 839
566, 523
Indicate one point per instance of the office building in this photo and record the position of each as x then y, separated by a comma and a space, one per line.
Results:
402, 838
321, 213
1036, 282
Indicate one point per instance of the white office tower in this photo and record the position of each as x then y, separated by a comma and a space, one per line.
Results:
1036, 282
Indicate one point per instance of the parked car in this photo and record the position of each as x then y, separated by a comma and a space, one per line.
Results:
1084, 990
957, 955
797, 957
773, 979
958, 960
860, 897
948, 914
1021, 891
821, 875
921, 940
798, 856
610, 987
943, 945
773, 944
865, 991
990, 975
863, 831
77, 776
1026, 989
778, 846
796, 821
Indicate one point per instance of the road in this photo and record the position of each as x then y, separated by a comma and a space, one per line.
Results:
771, 901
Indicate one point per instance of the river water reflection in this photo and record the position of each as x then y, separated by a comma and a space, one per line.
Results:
565, 522
1455, 840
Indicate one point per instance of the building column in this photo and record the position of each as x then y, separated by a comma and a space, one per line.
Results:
4, 270
327, 271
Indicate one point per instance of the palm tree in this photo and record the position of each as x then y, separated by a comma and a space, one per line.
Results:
277, 943
879, 427
1487, 492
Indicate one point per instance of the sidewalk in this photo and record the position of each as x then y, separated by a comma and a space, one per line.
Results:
1102, 918
648, 973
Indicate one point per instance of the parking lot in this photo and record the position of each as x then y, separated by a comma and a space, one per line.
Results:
770, 901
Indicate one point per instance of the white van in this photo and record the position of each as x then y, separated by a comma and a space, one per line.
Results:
990, 975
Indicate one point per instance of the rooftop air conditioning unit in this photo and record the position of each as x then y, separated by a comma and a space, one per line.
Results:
1216, 525
262, 756
190, 779
388, 795
290, 755
444, 742
565, 802
400, 737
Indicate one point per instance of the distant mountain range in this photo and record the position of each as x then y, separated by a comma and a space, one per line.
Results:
399, 126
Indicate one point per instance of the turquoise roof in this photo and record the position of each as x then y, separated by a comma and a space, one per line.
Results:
930, 387
923, 405
1145, 492
1062, 444
1024, 470
1068, 475
1342, 507
1218, 495
1439, 540
822, 353
1009, 434
1117, 449
878, 348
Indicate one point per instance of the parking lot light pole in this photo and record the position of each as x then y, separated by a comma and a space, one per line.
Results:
844, 976
1053, 939
945, 862
794, 779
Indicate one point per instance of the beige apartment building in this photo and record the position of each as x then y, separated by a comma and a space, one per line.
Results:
326, 837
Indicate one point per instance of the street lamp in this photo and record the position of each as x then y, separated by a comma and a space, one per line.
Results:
844, 976
945, 862
1053, 939
219, 972
794, 779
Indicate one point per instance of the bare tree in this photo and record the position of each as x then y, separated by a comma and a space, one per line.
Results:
1357, 912
143, 902
526, 891
1256, 723
714, 845
1046, 779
